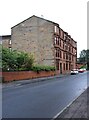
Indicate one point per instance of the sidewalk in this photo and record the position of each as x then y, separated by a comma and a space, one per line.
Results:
79, 108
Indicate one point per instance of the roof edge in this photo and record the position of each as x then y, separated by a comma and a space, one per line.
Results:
36, 17
5, 35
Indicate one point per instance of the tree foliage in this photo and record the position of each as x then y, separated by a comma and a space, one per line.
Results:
15, 61
84, 57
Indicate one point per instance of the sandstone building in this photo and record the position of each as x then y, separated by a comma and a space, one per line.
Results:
5, 40
49, 44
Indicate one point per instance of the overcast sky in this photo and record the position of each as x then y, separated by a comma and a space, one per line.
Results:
71, 15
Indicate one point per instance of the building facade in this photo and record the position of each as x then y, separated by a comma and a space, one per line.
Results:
5, 40
48, 43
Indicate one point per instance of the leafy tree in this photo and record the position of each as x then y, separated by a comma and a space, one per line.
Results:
14, 60
8, 59
84, 57
29, 62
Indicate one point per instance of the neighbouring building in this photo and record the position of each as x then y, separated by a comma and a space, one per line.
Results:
5, 40
49, 44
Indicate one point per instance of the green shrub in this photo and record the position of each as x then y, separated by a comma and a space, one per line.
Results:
84, 66
38, 68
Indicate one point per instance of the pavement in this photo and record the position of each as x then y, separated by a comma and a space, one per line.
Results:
77, 109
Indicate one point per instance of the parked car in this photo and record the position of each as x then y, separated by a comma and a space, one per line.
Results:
82, 70
74, 71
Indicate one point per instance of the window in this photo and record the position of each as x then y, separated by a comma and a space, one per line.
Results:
64, 66
66, 47
57, 64
70, 57
55, 29
69, 49
61, 33
63, 55
9, 42
63, 45
56, 41
72, 49
57, 53
60, 54
60, 43
64, 36
66, 56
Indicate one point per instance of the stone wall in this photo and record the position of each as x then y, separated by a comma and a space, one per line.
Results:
35, 36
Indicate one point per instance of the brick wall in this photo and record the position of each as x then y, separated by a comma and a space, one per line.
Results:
23, 75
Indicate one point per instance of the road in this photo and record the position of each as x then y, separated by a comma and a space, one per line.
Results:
42, 99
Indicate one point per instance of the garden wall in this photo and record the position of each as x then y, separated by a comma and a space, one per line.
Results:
24, 75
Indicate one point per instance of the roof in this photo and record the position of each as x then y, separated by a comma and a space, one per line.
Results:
5, 36
36, 17
45, 20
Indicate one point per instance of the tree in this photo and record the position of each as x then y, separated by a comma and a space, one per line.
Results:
8, 59
15, 61
84, 57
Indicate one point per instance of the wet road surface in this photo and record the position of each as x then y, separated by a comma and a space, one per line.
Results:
43, 99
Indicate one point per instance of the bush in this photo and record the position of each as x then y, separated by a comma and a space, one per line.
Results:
84, 66
36, 68
39, 68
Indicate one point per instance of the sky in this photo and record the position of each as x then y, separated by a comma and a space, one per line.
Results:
71, 15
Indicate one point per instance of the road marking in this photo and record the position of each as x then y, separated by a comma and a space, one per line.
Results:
18, 85
56, 116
